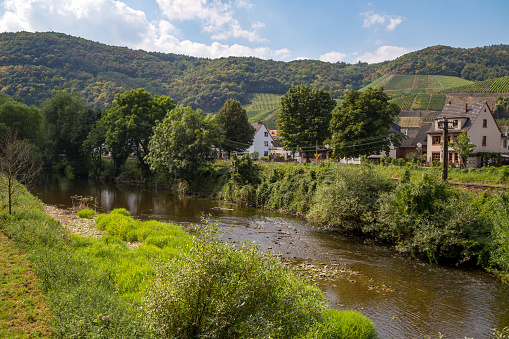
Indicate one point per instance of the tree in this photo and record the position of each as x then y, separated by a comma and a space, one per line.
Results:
67, 122
25, 121
462, 145
360, 126
183, 142
129, 122
238, 132
304, 117
17, 164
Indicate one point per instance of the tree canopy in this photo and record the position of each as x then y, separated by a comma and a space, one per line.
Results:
304, 117
360, 126
183, 142
67, 122
25, 121
129, 122
238, 132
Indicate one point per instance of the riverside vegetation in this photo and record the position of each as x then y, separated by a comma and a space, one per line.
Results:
419, 214
173, 284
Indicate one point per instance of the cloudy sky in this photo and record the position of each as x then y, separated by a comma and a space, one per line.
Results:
328, 30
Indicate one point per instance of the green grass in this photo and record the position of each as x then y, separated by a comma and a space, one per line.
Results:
23, 308
86, 213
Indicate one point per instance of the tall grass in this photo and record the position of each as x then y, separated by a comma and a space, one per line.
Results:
101, 288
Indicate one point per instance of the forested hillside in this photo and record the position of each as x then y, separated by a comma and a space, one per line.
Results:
36, 66
475, 64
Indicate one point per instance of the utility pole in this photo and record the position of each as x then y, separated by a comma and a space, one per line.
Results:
444, 124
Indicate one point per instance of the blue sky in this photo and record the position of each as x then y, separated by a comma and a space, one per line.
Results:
328, 30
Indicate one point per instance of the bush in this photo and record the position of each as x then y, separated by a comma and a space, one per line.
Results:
218, 291
86, 213
349, 197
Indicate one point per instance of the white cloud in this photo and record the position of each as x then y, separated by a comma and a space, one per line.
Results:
110, 21
216, 18
115, 23
160, 39
383, 53
372, 19
244, 4
333, 57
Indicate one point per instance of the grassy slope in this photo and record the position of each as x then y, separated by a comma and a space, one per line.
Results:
23, 310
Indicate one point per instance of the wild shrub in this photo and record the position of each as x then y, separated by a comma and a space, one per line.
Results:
219, 291
348, 198
86, 213
427, 216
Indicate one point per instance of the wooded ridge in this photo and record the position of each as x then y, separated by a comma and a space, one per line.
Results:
36, 66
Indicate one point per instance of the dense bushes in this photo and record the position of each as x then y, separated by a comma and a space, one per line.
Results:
171, 284
419, 214
217, 291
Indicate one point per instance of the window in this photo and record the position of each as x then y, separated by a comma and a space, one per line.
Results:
266, 153
505, 143
451, 157
265, 143
266, 134
455, 124
435, 157
484, 140
484, 123
436, 140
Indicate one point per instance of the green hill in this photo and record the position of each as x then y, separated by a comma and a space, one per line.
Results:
397, 85
36, 66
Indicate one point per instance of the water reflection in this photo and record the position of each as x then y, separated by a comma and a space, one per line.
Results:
406, 298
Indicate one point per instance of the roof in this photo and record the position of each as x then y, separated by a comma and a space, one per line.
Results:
469, 111
257, 126
416, 135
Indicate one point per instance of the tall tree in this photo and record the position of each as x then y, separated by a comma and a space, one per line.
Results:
304, 117
67, 122
183, 142
129, 122
462, 145
25, 121
238, 132
360, 126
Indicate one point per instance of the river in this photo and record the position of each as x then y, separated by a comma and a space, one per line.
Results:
405, 297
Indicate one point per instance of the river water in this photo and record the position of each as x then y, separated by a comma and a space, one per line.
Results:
405, 297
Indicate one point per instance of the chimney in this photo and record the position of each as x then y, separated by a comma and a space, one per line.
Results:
465, 107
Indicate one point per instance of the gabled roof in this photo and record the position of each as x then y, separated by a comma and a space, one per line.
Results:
469, 111
416, 135
257, 126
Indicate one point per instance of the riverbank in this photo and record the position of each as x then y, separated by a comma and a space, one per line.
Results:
97, 284
417, 214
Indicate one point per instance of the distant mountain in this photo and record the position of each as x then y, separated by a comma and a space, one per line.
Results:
36, 66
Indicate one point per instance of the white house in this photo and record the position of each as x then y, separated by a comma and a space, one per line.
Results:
262, 142
482, 129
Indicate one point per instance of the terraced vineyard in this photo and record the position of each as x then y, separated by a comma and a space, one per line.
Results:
430, 102
264, 107
498, 85
436, 103
405, 103
421, 102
